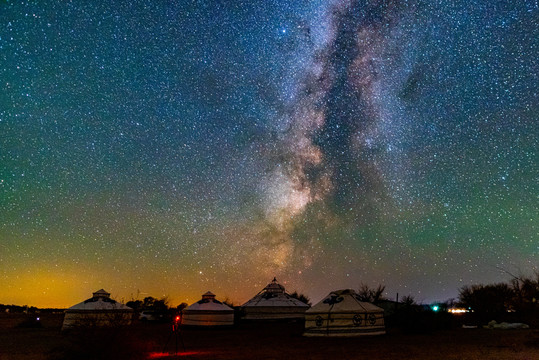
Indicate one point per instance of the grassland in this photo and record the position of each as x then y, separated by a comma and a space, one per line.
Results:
252, 341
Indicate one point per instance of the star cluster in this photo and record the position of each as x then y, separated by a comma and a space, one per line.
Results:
171, 148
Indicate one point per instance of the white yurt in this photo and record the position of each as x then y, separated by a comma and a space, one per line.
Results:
99, 310
273, 303
208, 312
341, 313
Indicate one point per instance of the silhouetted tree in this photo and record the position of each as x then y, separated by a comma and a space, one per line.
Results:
158, 305
370, 294
526, 293
135, 305
408, 300
182, 306
301, 297
148, 302
487, 299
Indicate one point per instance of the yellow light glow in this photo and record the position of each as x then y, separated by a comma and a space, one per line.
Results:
458, 311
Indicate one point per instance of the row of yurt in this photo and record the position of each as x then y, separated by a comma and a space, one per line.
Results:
99, 310
341, 313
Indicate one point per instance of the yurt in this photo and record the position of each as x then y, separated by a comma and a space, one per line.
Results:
273, 303
208, 312
99, 310
341, 313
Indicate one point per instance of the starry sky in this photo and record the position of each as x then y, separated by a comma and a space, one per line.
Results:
167, 148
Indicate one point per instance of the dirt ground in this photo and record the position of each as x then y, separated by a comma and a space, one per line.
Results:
251, 341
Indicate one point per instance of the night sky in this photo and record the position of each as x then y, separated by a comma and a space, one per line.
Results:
157, 148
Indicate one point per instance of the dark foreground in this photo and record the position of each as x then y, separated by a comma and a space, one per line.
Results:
253, 341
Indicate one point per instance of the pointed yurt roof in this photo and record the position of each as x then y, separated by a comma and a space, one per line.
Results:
208, 303
346, 300
274, 294
101, 292
100, 301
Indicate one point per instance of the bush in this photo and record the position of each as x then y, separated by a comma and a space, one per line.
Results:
514, 302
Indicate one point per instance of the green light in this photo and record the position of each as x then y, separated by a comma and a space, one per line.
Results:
435, 308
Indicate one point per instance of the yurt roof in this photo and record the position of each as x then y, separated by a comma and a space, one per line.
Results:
101, 292
208, 303
274, 295
346, 300
100, 301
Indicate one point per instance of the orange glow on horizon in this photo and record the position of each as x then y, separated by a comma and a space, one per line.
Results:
58, 289
63, 286
44, 289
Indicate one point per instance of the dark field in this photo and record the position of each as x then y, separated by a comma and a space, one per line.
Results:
253, 341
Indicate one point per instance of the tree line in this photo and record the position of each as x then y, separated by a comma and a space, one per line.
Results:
520, 297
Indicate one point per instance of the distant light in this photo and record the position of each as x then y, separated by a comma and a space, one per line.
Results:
457, 311
37, 319
283, 31
435, 308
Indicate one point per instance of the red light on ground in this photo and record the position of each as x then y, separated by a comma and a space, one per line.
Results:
157, 355
161, 355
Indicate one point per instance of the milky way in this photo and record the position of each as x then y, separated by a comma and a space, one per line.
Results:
171, 149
